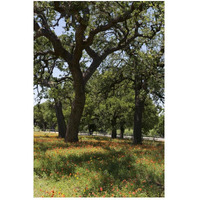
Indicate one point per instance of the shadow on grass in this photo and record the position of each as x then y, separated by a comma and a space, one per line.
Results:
113, 166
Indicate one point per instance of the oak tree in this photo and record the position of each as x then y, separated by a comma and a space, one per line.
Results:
97, 28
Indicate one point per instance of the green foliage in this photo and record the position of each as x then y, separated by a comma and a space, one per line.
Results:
110, 98
158, 129
161, 127
150, 116
44, 116
113, 96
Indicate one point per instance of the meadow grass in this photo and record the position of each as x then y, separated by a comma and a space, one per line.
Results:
97, 167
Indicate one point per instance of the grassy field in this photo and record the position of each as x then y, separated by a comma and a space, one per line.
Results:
97, 167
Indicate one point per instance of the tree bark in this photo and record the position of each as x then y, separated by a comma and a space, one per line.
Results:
60, 119
122, 131
114, 131
76, 108
139, 107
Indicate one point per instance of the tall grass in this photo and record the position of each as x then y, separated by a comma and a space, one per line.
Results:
97, 167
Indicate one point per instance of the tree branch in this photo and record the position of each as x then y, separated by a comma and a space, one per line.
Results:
79, 35
46, 32
91, 52
94, 65
126, 15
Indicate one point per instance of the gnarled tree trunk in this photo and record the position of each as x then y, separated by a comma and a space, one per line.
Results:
76, 108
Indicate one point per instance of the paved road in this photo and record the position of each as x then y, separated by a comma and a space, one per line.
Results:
128, 137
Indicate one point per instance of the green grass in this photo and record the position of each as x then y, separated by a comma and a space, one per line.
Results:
97, 167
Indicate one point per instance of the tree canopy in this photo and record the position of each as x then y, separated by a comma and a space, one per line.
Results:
99, 36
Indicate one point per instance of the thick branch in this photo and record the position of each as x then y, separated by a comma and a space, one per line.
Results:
79, 43
98, 59
59, 80
46, 32
94, 65
79, 35
125, 16
91, 52
45, 53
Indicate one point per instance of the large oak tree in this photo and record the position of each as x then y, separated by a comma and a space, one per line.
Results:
96, 28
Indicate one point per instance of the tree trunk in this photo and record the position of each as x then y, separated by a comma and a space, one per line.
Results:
44, 126
60, 119
139, 107
76, 109
122, 131
114, 131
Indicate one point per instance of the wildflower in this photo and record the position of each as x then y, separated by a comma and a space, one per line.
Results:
101, 189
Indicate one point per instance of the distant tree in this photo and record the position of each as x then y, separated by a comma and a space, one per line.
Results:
52, 89
60, 93
44, 116
150, 117
108, 103
147, 74
39, 118
159, 128
56, 88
